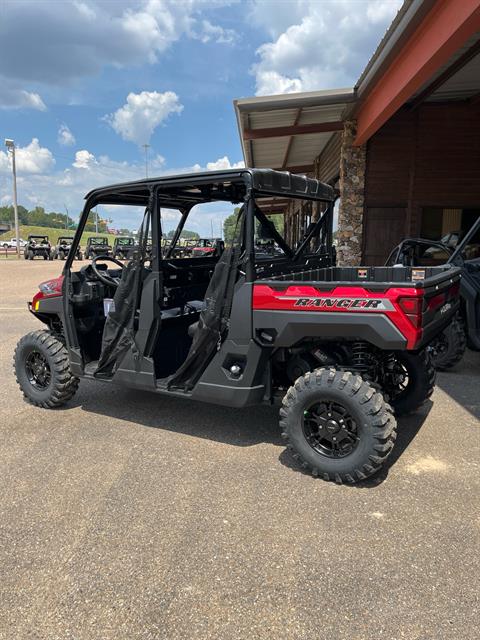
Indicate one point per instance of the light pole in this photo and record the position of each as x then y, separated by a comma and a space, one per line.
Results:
10, 144
146, 147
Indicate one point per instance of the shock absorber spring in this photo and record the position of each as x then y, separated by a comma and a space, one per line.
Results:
361, 358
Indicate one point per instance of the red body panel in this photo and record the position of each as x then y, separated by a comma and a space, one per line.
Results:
49, 289
306, 298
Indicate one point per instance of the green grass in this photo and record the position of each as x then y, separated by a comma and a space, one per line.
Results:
53, 234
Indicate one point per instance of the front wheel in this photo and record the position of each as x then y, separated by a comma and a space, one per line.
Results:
409, 380
337, 425
42, 370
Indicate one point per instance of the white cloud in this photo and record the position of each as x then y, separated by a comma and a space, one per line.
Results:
65, 136
143, 112
11, 97
317, 45
215, 33
84, 159
224, 163
53, 189
30, 159
77, 39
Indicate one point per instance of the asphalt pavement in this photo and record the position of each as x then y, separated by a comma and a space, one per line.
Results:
130, 516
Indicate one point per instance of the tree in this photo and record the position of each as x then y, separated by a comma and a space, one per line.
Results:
90, 225
188, 235
229, 225
7, 214
278, 221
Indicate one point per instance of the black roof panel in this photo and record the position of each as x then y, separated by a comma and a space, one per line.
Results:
263, 181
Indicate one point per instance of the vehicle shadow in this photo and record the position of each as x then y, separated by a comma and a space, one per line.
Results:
407, 429
237, 427
461, 383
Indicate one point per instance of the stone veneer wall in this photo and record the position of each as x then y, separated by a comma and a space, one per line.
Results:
352, 187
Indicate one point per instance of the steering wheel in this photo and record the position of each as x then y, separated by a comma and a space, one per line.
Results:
110, 281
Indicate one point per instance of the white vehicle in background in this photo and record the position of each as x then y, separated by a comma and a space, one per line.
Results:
12, 243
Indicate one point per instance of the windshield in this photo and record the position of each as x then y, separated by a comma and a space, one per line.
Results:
100, 241
125, 241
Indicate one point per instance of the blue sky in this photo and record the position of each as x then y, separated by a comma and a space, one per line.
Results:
84, 84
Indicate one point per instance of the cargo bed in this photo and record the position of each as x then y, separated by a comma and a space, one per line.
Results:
416, 302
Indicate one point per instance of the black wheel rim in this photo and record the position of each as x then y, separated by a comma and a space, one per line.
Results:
330, 430
38, 370
397, 379
439, 346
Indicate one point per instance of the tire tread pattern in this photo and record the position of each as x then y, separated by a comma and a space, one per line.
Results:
370, 402
64, 384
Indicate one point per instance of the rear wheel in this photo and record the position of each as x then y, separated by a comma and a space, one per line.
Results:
337, 425
42, 370
449, 347
409, 380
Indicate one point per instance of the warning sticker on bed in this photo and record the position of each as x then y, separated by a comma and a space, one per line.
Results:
362, 273
418, 274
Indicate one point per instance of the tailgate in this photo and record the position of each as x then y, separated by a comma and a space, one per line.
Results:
440, 303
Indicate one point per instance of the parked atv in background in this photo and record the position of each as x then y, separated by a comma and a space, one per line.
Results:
463, 250
342, 347
123, 247
206, 247
62, 248
38, 247
182, 249
97, 246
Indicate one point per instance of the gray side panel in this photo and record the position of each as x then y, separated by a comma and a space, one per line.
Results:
293, 326
217, 384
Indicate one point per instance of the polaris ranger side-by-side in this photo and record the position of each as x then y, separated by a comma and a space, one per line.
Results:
123, 247
206, 247
62, 248
341, 345
463, 250
97, 246
38, 247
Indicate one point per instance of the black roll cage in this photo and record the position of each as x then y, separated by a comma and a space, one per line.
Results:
239, 186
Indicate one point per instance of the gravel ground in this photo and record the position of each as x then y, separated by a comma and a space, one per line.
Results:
130, 516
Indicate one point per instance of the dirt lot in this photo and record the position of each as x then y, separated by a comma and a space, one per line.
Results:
128, 516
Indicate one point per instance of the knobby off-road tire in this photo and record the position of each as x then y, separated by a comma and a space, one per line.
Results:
449, 347
42, 370
419, 385
361, 422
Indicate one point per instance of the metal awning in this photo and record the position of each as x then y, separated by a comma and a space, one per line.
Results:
287, 132
456, 80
